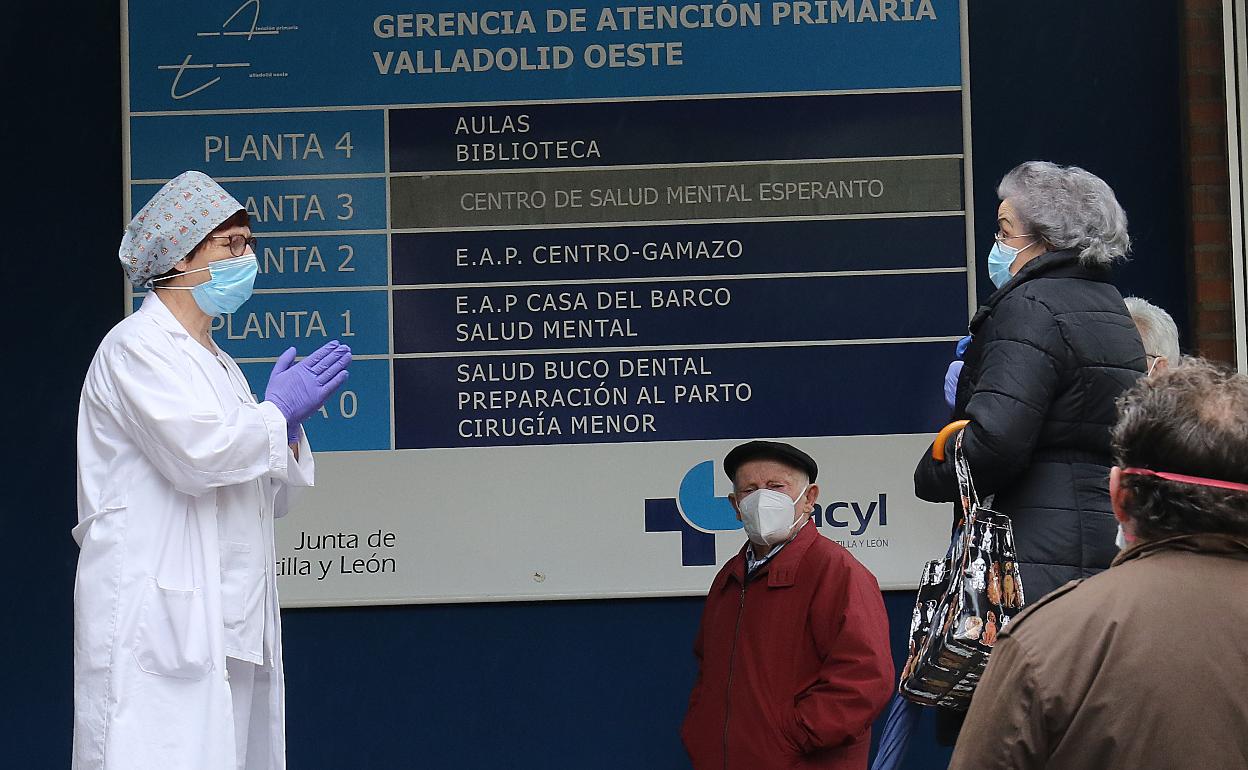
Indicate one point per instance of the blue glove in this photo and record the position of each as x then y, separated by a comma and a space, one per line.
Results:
951, 381
298, 390
963, 344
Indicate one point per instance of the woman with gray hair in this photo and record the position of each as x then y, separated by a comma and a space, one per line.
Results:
1050, 352
1065, 209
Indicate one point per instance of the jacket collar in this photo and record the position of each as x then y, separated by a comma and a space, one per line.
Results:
781, 569
1052, 264
156, 311
1204, 542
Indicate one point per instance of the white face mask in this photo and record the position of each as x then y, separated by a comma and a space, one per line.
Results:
769, 515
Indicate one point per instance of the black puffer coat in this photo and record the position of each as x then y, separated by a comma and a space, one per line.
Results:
1052, 350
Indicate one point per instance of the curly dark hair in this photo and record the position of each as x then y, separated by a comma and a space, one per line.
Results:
1190, 419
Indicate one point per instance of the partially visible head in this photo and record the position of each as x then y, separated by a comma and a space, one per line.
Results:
1191, 420
772, 465
1067, 207
174, 224
1158, 332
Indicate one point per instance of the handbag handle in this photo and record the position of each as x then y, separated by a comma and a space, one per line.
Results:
966, 485
942, 438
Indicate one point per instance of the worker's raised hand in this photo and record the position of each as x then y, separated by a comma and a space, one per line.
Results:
299, 389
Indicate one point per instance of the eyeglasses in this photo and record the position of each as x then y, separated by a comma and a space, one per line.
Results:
1000, 236
238, 243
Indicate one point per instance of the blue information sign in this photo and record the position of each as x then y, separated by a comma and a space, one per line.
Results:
589, 226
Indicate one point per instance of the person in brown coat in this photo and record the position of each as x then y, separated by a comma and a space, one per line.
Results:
1144, 665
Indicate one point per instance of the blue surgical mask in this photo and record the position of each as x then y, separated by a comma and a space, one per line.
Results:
228, 288
999, 261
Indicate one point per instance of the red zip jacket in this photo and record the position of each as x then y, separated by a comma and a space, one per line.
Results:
794, 663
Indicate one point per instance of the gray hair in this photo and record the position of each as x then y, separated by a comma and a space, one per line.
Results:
1157, 329
1190, 419
1070, 209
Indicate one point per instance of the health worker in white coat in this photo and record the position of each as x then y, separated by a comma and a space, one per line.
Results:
177, 638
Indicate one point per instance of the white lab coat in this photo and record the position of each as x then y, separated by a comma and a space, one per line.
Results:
180, 474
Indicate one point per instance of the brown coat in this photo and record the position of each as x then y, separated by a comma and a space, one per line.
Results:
1142, 666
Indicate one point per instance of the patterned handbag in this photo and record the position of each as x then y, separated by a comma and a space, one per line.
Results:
964, 600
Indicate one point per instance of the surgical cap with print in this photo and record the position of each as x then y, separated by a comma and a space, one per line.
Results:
172, 223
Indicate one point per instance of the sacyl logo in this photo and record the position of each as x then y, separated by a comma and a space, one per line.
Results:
697, 514
862, 519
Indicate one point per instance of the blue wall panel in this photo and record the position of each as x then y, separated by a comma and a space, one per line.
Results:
576, 684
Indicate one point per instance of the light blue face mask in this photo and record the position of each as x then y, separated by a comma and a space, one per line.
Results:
228, 288
1000, 259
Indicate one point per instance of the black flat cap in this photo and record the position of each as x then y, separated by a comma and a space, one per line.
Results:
786, 454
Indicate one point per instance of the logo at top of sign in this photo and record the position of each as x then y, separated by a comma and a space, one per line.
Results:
248, 33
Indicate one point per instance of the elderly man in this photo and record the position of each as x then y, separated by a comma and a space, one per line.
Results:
1143, 665
1158, 332
177, 639
793, 649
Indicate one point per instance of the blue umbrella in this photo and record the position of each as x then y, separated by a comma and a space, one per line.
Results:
899, 726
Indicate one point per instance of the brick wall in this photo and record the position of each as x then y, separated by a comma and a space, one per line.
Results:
1206, 181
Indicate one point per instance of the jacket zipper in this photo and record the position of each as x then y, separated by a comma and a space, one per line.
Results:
732, 657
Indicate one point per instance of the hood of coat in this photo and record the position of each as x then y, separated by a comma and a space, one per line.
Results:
1053, 264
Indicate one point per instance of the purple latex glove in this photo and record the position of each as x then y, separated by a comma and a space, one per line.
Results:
284, 362
951, 381
963, 344
298, 390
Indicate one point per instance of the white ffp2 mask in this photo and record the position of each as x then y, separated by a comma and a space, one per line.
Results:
769, 515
